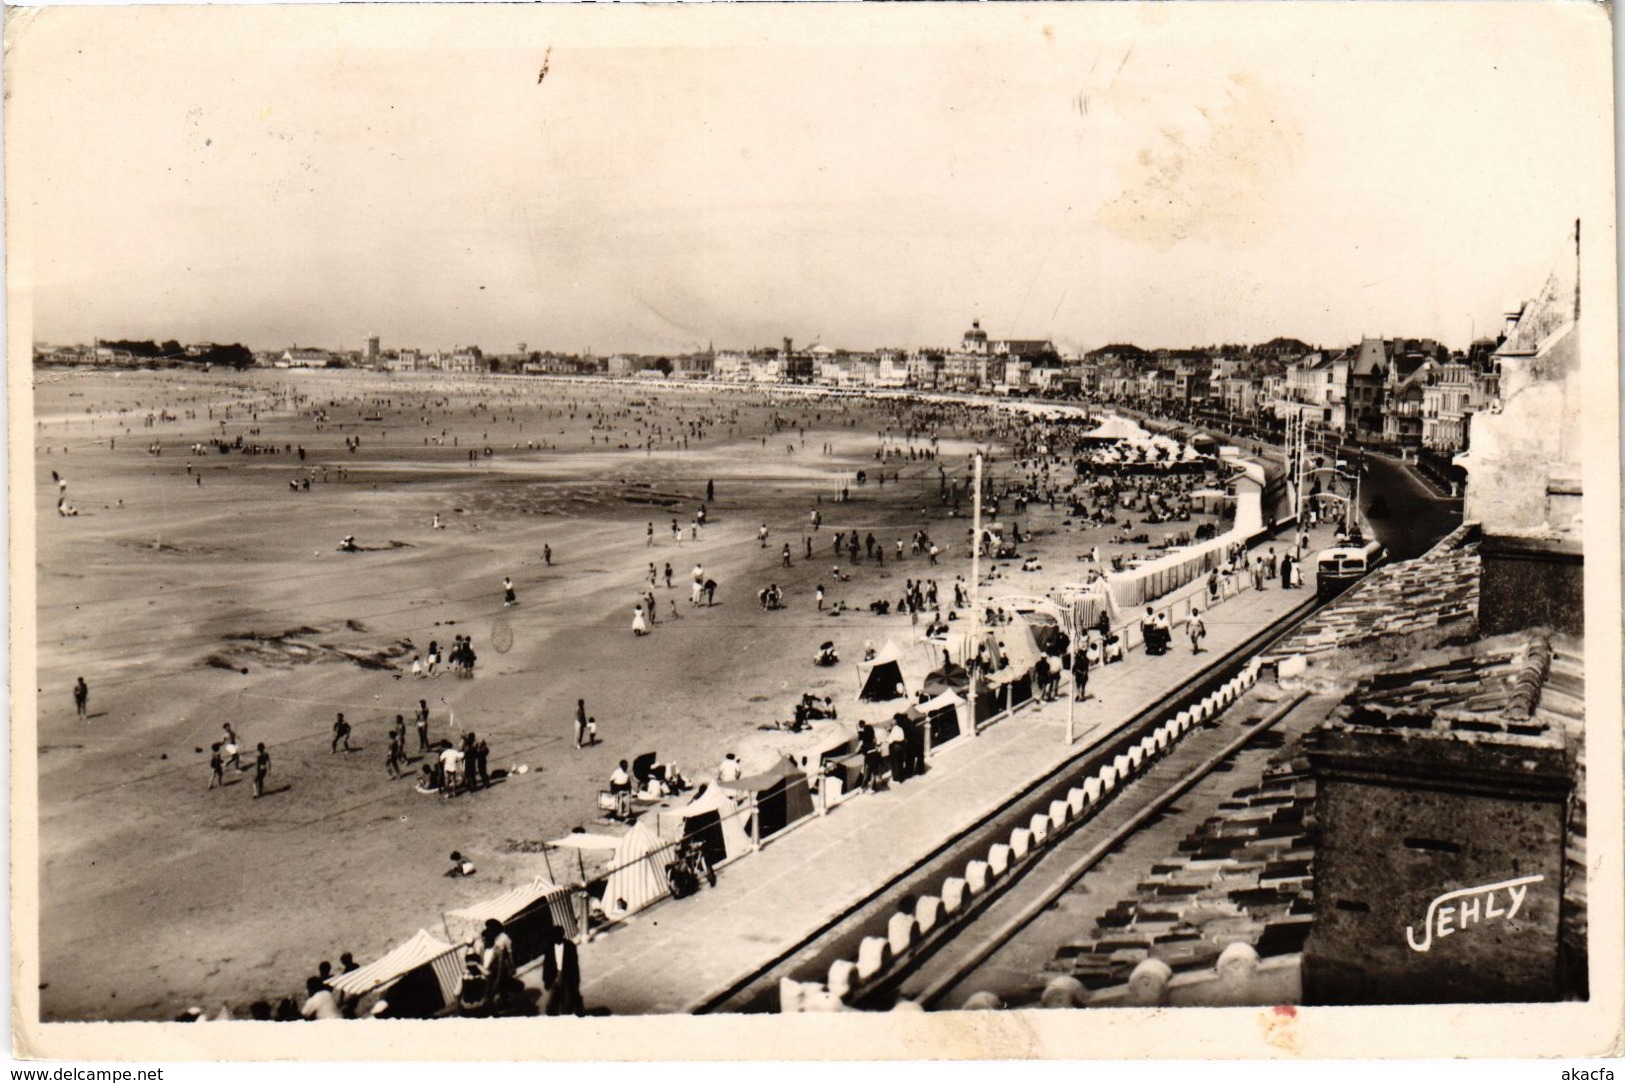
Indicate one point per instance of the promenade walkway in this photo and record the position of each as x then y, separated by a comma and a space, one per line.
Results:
671, 956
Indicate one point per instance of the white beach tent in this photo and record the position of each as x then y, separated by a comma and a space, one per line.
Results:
881, 678
639, 876
1116, 428
1019, 648
715, 820
464, 924
423, 948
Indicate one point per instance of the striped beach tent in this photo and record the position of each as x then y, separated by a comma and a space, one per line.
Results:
639, 877
423, 949
464, 924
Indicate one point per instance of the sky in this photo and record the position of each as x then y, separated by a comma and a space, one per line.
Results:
859, 176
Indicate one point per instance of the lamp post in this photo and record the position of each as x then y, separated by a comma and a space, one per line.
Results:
975, 587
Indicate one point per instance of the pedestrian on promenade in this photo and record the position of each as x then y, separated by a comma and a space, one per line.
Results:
1080, 674
1197, 631
81, 697
262, 767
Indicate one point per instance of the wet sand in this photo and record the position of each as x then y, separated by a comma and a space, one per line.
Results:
215, 898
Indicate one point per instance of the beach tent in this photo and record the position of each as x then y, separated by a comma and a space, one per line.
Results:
941, 714
541, 894
1019, 648
781, 796
838, 756
639, 876
712, 819
881, 678
961, 648
422, 976
1115, 428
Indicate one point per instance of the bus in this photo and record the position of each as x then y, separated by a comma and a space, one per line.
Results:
1338, 568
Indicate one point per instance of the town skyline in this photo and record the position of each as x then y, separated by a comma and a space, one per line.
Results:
860, 180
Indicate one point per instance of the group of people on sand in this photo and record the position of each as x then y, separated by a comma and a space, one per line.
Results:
227, 752
460, 657
458, 768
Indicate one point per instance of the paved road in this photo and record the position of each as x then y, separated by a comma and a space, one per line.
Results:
1417, 517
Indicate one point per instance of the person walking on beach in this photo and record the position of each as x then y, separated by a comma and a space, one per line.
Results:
547, 555
422, 722
710, 592
761, 535
710, 492
228, 746
649, 534
784, 557
341, 732
640, 624
393, 761
508, 597
668, 575
699, 585
217, 776
581, 723
81, 697
262, 767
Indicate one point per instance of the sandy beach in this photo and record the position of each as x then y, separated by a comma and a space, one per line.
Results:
187, 604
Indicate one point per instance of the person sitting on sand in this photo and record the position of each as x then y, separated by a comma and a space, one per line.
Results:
460, 866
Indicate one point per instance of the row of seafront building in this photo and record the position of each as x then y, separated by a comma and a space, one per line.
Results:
1405, 394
